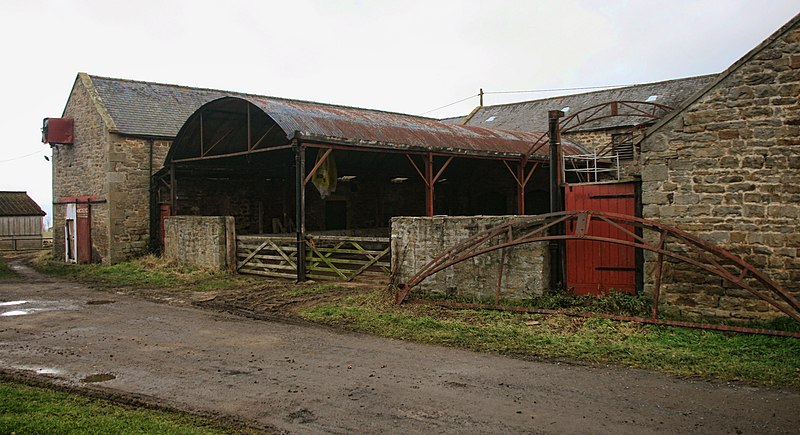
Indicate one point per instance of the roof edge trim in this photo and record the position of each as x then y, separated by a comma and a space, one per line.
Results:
87, 82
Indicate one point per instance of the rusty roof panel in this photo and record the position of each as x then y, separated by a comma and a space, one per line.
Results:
384, 129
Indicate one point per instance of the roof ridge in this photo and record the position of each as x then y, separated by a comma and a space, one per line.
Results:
247, 94
636, 85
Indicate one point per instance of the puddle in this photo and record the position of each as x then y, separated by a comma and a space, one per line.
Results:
16, 313
40, 370
12, 303
99, 377
100, 302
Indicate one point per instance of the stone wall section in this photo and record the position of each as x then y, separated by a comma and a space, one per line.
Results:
201, 241
417, 240
79, 170
127, 181
727, 168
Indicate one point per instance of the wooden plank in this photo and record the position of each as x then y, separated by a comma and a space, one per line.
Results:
326, 260
249, 257
370, 263
352, 239
271, 274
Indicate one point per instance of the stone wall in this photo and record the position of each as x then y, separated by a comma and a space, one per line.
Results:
112, 168
127, 183
727, 168
79, 170
417, 240
201, 241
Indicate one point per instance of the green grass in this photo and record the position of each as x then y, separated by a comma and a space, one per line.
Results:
31, 410
686, 352
5, 272
148, 271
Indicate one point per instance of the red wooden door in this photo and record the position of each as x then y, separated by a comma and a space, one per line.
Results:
83, 215
596, 267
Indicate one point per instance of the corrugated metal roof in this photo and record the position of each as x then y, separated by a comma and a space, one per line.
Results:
383, 129
18, 204
532, 115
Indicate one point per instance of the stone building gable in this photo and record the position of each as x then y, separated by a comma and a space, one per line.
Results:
81, 169
727, 167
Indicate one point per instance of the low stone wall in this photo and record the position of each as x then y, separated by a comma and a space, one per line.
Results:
417, 240
202, 241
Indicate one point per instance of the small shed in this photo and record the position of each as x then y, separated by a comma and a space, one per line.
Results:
20, 222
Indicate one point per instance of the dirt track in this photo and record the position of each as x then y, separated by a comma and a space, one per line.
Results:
306, 379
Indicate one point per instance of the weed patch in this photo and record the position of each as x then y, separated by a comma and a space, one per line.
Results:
26, 409
750, 358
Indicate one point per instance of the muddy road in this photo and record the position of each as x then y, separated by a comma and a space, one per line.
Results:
298, 378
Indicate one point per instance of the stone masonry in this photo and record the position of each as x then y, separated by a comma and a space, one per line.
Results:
112, 168
417, 240
727, 168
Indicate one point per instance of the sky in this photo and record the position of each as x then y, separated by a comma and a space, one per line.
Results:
403, 56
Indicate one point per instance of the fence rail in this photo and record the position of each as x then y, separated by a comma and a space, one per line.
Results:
338, 258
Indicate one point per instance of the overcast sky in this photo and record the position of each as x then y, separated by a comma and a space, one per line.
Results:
403, 56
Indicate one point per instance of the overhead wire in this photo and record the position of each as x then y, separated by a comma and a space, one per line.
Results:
531, 91
20, 157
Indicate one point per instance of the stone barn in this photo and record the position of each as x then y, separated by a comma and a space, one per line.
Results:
726, 166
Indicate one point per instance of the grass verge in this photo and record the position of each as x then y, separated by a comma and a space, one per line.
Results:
148, 271
5, 272
25, 409
685, 352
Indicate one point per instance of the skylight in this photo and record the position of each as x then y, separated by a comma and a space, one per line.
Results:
491, 118
651, 98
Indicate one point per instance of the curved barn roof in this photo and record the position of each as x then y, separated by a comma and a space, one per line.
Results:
363, 128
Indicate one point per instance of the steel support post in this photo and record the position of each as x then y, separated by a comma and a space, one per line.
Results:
556, 202
300, 206
429, 181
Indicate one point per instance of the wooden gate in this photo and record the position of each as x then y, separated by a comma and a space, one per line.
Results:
339, 258
596, 267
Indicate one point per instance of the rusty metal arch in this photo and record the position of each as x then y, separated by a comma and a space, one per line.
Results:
634, 109
611, 109
683, 247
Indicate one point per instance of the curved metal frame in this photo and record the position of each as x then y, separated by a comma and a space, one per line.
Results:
611, 109
709, 257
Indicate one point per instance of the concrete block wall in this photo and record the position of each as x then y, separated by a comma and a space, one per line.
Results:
417, 240
727, 168
201, 241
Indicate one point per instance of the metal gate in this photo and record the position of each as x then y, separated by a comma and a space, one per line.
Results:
594, 267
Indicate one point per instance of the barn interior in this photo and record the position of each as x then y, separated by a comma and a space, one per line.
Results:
273, 163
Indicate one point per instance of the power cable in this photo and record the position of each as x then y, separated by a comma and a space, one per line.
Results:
20, 157
531, 91
448, 105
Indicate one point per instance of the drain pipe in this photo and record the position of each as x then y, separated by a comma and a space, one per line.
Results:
556, 202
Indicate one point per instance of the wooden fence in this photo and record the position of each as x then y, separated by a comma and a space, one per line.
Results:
339, 258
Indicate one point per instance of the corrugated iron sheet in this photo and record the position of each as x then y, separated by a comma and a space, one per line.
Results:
397, 131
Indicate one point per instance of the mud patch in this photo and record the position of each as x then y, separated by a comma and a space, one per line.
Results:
99, 377
303, 416
100, 302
